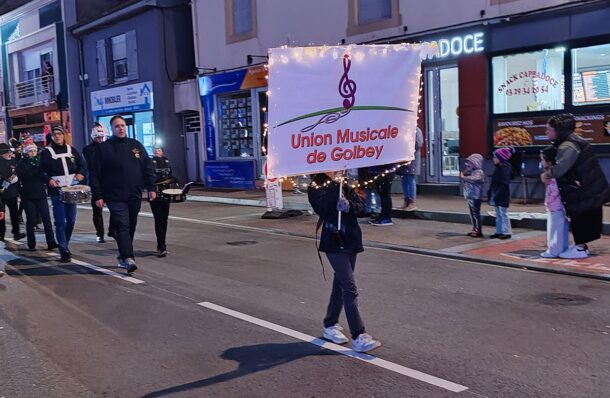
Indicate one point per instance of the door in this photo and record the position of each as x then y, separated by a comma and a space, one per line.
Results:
442, 130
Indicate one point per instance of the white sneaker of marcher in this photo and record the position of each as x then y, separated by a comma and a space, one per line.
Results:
574, 253
365, 343
335, 334
547, 254
1, 274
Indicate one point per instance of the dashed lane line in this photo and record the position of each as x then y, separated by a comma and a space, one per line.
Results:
382, 363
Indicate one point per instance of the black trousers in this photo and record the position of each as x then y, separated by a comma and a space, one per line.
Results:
35, 208
98, 221
125, 216
13, 208
160, 211
587, 226
384, 189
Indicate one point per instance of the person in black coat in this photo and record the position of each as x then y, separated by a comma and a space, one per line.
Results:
1, 219
499, 191
341, 243
160, 206
120, 170
32, 183
98, 135
9, 189
64, 166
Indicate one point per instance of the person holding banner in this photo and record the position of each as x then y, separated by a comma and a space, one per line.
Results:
341, 240
64, 166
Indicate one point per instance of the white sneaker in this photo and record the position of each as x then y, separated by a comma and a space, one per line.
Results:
547, 254
365, 343
574, 252
1, 274
130, 264
335, 334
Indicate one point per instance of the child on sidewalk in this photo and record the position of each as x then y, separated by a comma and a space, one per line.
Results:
473, 179
499, 191
557, 231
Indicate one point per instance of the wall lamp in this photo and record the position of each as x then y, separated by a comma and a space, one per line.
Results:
250, 58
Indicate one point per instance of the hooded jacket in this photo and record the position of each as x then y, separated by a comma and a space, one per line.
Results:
473, 178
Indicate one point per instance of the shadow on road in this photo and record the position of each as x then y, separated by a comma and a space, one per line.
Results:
252, 359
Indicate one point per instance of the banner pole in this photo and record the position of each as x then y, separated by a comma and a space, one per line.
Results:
340, 196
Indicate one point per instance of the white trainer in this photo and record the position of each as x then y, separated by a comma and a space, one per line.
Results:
1, 274
335, 334
365, 343
547, 254
574, 252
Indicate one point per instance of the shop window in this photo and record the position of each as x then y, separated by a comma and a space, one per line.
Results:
117, 59
370, 15
235, 125
240, 20
591, 75
145, 130
528, 82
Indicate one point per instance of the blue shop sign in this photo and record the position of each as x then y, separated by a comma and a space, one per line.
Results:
238, 174
122, 99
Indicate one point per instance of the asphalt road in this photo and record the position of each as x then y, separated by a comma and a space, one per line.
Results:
72, 331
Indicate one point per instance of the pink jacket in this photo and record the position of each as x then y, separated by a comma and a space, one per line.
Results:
552, 199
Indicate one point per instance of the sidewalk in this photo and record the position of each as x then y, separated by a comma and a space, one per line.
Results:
449, 241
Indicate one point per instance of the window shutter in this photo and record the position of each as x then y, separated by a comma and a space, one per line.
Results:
132, 55
102, 64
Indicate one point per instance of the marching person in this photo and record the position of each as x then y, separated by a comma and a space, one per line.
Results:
10, 191
2, 219
341, 243
120, 170
32, 183
160, 206
98, 135
64, 166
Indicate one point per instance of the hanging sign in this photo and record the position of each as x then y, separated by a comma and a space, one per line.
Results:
335, 108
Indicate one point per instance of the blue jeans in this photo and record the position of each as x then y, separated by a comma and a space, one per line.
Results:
125, 217
502, 221
64, 215
344, 293
409, 187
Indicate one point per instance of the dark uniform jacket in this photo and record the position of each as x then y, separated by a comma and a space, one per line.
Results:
54, 167
32, 180
8, 168
120, 170
163, 171
347, 238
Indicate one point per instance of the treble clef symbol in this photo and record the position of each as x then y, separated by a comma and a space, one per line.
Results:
347, 87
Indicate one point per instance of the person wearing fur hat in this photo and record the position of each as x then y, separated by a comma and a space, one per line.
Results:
32, 183
160, 206
64, 166
583, 186
473, 179
499, 191
9, 189
99, 133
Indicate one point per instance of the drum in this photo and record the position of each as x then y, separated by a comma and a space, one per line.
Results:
173, 195
75, 194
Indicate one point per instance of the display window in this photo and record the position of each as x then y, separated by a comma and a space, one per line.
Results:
528, 82
591, 75
235, 125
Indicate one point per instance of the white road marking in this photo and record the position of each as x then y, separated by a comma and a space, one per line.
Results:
415, 374
486, 242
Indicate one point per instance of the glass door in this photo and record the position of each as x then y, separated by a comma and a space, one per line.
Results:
443, 132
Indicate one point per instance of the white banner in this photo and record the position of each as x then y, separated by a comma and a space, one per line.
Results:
335, 108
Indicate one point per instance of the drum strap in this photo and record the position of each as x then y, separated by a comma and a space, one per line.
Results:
62, 156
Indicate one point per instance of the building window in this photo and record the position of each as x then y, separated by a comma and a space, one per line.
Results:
240, 18
371, 15
528, 82
117, 59
236, 128
591, 75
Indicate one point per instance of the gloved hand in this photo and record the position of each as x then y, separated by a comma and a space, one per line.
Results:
343, 205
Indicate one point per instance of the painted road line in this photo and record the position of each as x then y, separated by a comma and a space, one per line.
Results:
487, 243
412, 373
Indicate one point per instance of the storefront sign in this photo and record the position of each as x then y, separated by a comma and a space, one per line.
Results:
336, 108
595, 128
123, 99
230, 174
528, 82
458, 45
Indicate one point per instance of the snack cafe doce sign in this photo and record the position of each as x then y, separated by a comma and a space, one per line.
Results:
335, 108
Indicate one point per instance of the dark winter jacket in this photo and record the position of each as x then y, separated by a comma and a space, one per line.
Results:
582, 183
8, 168
163, 171
88, 152
54, 167
499, 189
120, 170
348, 238
32, 180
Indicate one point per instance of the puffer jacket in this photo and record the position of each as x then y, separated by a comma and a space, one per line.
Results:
499, 189
474, 177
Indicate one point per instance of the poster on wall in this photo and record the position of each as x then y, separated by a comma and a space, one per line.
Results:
524, 132
335, 108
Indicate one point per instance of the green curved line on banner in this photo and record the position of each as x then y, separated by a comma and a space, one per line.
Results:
354, 108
